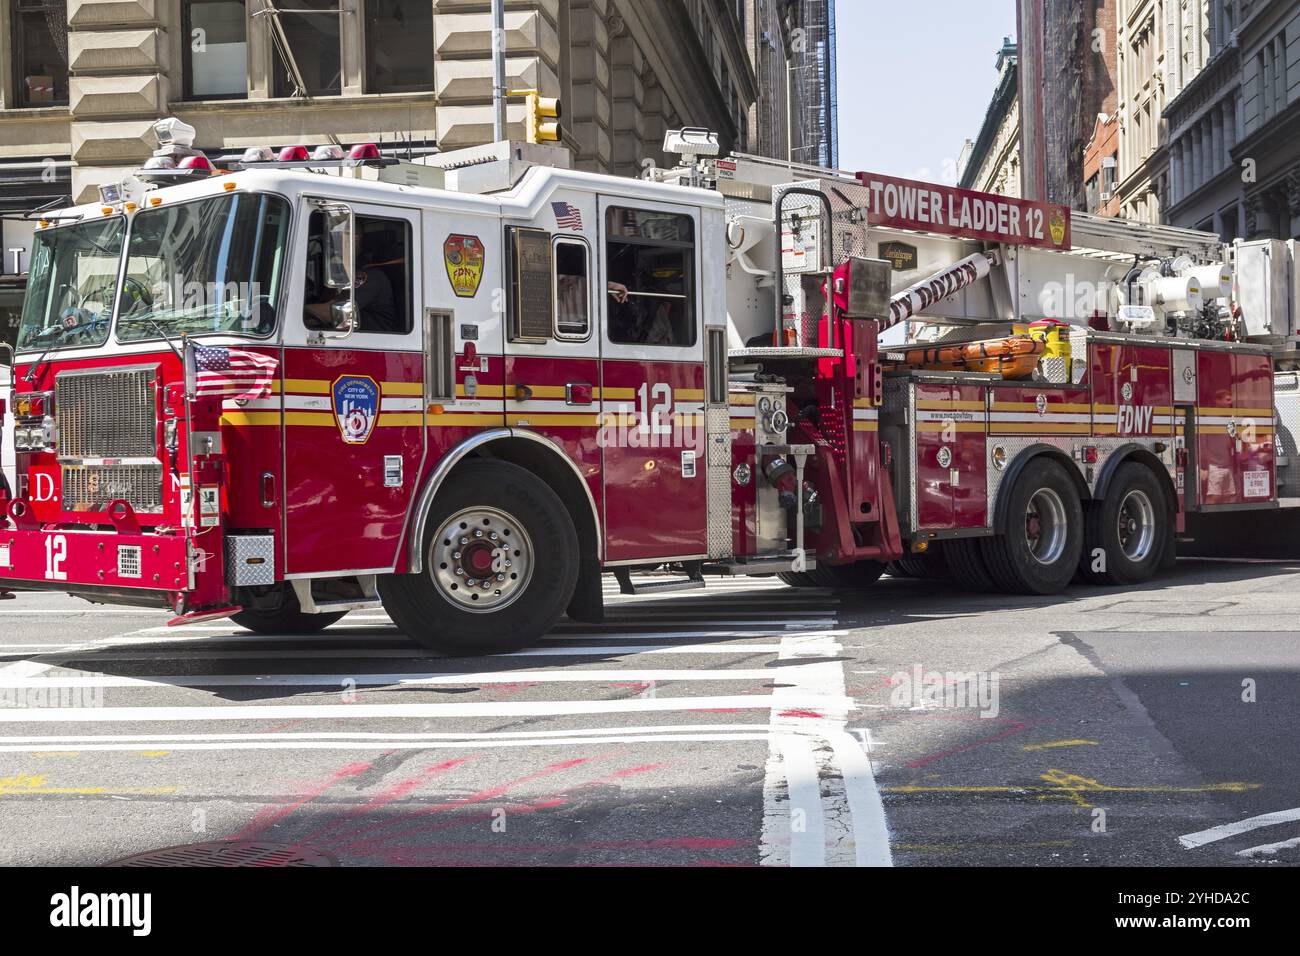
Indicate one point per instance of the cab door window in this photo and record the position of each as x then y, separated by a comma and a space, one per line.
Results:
382, 291
650, 268
572, 289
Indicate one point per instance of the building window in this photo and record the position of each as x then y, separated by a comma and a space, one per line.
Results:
216, 49
650, 265
312, 31
399, 46
40, 53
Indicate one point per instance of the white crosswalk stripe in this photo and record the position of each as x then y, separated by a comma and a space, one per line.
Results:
765, 655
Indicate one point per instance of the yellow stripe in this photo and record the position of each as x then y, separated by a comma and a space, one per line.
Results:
552, 421
1040, 428
689, 394
397, 419
740, 398
1060, 408
402, 388
307, 385
483, 391
616, 394
742, 424
454, 420
243, 419
866, 426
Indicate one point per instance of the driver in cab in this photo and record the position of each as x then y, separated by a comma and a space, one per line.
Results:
372, 293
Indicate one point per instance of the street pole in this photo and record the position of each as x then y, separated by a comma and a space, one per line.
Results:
499, 69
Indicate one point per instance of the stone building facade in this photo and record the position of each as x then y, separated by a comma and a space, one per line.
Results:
86, 79
991, 162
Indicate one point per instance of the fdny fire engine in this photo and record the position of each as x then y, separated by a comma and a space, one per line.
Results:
465, 388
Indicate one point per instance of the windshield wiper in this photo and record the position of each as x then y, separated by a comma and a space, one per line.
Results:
157, 327
40, 361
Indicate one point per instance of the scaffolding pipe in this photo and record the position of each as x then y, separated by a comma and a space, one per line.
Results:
498, 70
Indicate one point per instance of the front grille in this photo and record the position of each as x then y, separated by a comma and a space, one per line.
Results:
92, 487
107, 414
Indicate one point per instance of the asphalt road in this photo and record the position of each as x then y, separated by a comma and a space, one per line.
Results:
745, 724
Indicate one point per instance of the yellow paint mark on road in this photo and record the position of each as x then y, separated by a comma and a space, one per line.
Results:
155, 753
1050, 744
1062, 785
57, 753
29, 784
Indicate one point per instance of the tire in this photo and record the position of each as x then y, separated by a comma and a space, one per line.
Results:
288, 618
1130, 526
966, 564
1038, 551
929, 565
903, 568
445, 608
844, 577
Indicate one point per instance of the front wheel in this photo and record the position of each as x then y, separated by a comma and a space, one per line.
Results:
500, 564
288, 618
1126, 532
1038, 551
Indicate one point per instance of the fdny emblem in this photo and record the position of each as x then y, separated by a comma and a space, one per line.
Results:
356, 407
464, 258
1040, 403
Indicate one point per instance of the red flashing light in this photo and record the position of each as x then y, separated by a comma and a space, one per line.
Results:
364, 151
294, 154
195, 164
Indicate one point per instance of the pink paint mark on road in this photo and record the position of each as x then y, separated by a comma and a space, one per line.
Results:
267, 817
396, 792
810, 714
1015, 728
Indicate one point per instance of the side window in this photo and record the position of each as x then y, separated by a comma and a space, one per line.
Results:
572, 289
383, 271
650, 265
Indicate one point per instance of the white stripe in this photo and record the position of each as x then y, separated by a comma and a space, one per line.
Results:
547, 708
25, 681
1080, 417
807, 830
760, 735
1214, 834
1268, 849
401, 405
870, 832
359, 653
72, 739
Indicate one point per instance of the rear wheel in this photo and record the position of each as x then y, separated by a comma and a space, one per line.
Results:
1126, 533
500, 564
844, 577
1039, 549
966, 563
288, 618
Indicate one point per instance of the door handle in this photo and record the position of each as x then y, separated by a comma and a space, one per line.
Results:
577, 394
268, 490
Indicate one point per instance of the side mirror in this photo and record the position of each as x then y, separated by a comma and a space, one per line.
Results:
339, 247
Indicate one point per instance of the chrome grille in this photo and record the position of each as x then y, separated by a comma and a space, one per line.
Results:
107, 414
92, 487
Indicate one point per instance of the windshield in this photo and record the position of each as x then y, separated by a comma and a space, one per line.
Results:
214, 265
71, 283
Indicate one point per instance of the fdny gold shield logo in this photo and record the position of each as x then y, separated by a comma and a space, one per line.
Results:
1056, 225
464, 258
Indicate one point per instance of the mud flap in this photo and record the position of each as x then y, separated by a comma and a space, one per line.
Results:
588, 603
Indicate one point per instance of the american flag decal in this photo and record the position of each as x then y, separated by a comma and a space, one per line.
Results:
221, 372
567, 216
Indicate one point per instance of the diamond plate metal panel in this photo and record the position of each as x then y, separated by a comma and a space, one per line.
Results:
250, 560
718, 431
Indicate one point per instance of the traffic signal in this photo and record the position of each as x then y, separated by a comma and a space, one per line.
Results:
543, 118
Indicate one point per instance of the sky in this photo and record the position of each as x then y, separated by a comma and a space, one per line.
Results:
915, 79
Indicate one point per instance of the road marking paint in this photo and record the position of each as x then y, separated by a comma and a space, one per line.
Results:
361, 711
1070, 787
408, 679
381, 744
1053, 744
414, 653
1269, 849
1237, 827
870, 831
26, 784
802, 814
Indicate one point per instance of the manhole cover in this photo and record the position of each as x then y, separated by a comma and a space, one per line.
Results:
230, 853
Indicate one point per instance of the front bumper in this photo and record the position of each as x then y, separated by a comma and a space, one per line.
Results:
65, 560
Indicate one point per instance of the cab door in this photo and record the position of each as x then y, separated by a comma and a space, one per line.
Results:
652, 382
353, 403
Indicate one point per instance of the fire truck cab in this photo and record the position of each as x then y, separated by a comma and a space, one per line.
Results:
464, 389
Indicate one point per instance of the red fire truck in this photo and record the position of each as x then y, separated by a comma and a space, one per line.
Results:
463, 389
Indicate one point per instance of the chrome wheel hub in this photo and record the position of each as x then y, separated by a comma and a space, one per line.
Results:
1137, 525
481, 559
1045, 526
